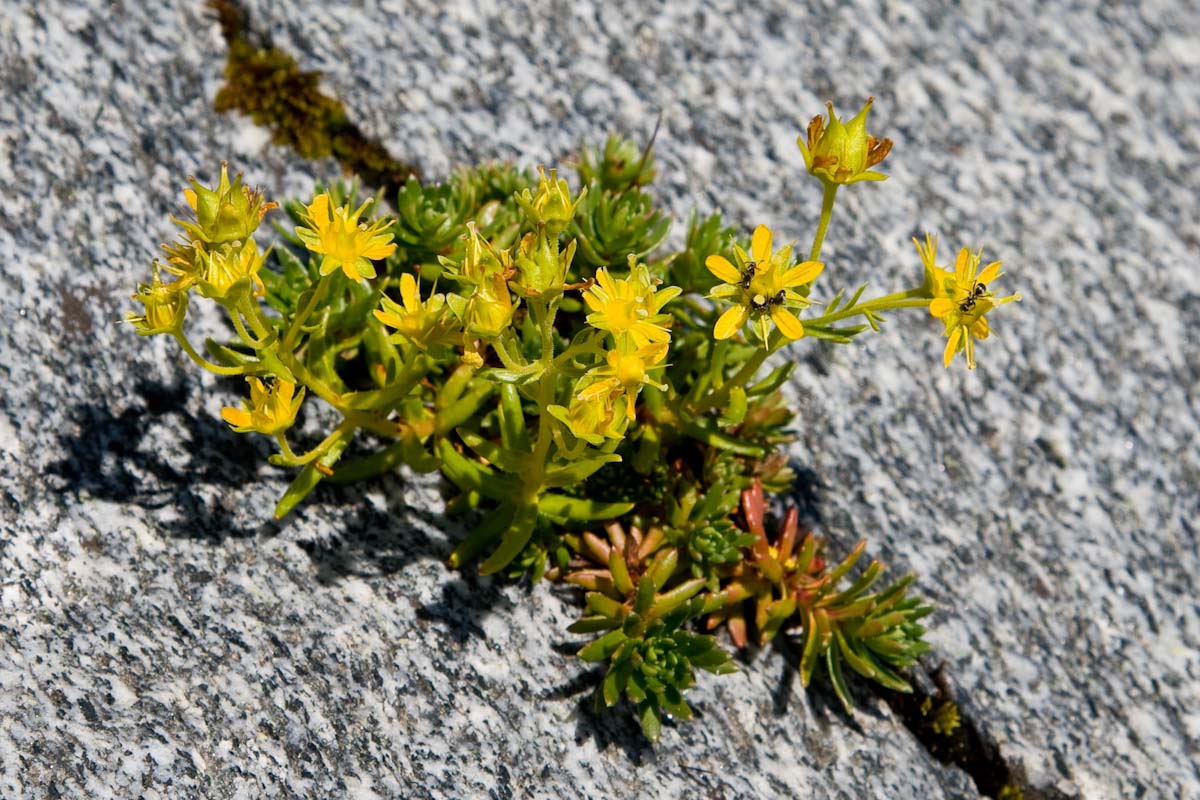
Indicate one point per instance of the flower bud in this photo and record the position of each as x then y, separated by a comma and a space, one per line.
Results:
227, 213
165, 305
843, 152
551, 205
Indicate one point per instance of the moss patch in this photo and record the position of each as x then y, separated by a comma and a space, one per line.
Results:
267, 84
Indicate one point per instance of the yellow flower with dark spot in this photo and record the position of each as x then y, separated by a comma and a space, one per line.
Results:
761, 287
345, 243
630, 307
270, 411
962, 299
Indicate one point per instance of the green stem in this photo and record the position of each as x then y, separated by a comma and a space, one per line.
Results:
912, 298
541, 448
289, 340
506, 358
383, 399
823, 225
740, 378
253, 341
202, 361
292, 460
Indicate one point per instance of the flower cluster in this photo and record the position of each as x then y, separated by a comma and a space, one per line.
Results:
597, 408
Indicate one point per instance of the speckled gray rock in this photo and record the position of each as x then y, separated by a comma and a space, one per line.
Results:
161, 638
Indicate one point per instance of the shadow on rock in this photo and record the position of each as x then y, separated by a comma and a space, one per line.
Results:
123, 458
158, 456
465, 602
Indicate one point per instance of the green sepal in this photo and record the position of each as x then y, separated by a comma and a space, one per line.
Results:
651, 720
839, 680
470, 475
512, 542
575, 508
602, 648
578, 471
487, 531
513, 432
735, 412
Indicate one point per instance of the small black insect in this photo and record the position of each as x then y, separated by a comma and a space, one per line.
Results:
760, 303
748, 275
977, 291
779, 297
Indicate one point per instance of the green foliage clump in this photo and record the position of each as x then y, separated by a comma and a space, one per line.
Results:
603, 411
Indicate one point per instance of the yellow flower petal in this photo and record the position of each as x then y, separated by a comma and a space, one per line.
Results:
236, 417
962, 268
990, 273
787, 323
388, 318
951, 346
941, 306
408, 292
319, 208
981, 329
378, 251
606, 282
722, 269
802, 273
760, 244
730, 322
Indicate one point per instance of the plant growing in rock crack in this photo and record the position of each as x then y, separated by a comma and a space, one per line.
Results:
604, 411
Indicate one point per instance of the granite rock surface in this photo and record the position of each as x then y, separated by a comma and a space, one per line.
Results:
160, 637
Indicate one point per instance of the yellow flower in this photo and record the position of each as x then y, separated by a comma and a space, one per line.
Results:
843, 152
270, 411
630, 307
962, 299
761, 287
345, 243
164, 306
226, 267
596, 419
422, 323
227, 213
627, 371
